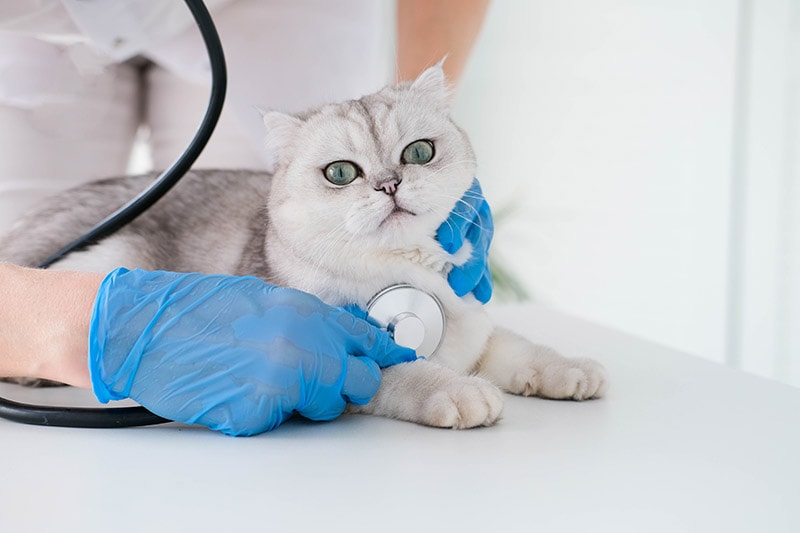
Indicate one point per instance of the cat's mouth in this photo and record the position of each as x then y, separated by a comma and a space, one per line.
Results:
397, 212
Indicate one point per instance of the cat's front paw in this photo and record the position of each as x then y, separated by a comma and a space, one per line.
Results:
465, 402
565, 379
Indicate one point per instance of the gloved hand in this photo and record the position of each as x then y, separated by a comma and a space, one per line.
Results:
232, 353
471, 219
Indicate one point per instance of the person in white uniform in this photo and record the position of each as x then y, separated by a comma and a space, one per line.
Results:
79, 77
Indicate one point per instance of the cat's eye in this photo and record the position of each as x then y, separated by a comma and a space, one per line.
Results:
341, 172
418, 153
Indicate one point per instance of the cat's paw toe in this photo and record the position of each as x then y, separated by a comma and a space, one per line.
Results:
576, 379
570, 379
465, 403
526, 381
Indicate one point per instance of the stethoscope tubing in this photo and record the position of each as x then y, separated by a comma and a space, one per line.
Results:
119, 417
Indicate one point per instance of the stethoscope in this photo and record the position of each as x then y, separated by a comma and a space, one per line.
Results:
413, 317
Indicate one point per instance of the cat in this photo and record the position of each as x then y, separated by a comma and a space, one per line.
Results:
358, 191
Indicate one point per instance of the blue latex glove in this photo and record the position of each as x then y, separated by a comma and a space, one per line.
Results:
471, 220
232, 353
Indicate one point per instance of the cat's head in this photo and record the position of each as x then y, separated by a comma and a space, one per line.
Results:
381, 171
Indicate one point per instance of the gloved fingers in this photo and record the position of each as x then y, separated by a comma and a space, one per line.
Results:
302, 303
483, 291
247, 427
453, 230
465, 278
356, 311
474, 275
480, 237
485, 222
469, 205
451, 234
339, 379
378, 345
459, 282
327, 405
480, 232
363, 339
361, 381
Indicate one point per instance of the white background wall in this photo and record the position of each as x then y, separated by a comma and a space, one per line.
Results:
765, 332
651, 149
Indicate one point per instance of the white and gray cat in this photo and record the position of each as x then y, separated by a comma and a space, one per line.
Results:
359, 190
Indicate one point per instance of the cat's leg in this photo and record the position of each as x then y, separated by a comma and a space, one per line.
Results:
430, 394
519, 366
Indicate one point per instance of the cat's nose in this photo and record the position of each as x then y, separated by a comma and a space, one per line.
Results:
388, 183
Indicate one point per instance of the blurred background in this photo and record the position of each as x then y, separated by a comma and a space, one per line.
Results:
647, 155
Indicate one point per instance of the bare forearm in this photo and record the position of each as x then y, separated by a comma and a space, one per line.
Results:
44, 320
427, 30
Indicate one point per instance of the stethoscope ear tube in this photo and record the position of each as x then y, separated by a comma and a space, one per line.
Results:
118, 417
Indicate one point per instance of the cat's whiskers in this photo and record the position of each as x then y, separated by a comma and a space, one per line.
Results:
477, 220
446, 167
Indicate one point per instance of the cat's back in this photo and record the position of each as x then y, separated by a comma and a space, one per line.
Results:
207, 210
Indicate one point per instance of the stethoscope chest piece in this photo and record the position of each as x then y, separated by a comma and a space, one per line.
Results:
414, 317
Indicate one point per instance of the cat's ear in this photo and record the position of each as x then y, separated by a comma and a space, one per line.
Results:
433, 84
281, 130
